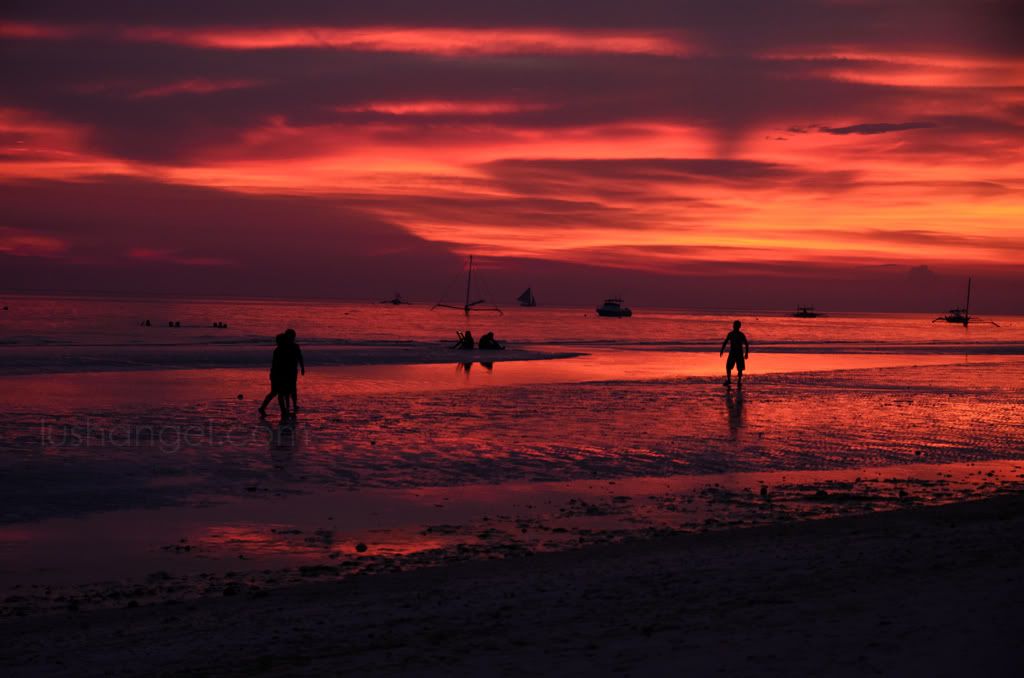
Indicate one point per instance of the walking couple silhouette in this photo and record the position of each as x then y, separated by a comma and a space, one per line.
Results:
285, 367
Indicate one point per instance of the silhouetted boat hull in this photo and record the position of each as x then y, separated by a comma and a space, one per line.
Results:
806, 312
613, 308
956, 316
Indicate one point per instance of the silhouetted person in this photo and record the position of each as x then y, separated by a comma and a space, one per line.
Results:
280, 384
488, 343
739, 351
465, 342
296, 364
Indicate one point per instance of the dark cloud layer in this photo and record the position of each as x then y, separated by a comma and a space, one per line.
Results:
877, 127
270, 245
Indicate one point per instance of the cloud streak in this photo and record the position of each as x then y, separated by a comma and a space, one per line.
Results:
877, 127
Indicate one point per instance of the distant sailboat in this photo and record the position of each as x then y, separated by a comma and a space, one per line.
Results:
397, 300
527, 298
468, 305
962, 316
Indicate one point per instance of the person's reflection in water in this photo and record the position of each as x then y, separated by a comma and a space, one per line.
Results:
488, 366
282, 441
463, 368
734, 403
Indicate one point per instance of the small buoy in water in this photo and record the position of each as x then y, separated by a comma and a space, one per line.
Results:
241, 397
361, 547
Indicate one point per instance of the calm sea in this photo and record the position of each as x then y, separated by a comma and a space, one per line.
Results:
54, 321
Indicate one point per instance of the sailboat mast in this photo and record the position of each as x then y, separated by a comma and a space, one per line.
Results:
469, 281
967, 308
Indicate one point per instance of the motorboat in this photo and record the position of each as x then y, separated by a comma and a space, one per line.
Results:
613, 308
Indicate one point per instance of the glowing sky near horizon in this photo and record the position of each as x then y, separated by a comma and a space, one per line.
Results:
681, 137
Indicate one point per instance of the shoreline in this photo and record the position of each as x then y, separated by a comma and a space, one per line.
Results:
926, 590
26, 361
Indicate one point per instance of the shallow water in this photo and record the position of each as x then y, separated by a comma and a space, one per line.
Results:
123, 458
294, 535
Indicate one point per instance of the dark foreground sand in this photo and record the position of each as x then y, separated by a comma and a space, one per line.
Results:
923, 591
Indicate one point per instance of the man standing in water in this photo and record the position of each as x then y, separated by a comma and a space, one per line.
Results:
739, 351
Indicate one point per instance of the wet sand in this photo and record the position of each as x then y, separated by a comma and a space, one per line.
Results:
923, 591
600, 515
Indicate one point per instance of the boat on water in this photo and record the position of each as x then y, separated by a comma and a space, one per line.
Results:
397, 300
962, 316
467, 305
527, 298
613, 308
806, 312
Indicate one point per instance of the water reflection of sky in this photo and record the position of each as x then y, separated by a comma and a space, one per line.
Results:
222, 534
59, 391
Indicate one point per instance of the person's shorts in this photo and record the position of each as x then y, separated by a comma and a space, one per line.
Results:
285, 384
735, 361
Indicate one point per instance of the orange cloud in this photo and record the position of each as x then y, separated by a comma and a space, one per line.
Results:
427, 40
443, 107
21, 243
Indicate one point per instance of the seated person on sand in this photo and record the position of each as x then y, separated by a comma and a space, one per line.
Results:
489, 343
465, 341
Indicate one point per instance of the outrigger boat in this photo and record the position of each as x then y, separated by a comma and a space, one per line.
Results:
397, 300
962, 316
468, 305
613, 308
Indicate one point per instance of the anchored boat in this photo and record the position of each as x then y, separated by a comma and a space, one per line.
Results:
962, 316
527, 298
468, 305
806, 312
613, 308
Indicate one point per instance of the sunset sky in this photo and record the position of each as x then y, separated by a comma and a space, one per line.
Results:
864, 155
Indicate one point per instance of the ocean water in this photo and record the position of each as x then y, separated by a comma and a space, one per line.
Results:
48, 321
121, 442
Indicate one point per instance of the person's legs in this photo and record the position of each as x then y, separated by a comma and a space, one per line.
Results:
741, 365
266, 401
728, 369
